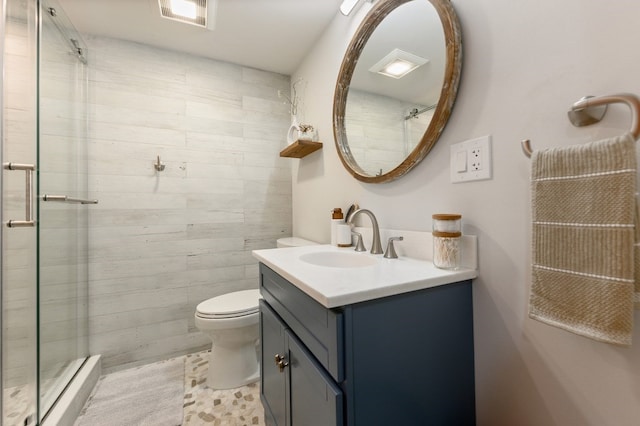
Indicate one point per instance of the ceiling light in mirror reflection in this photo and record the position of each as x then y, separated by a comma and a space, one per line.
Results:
398, 68
398, 63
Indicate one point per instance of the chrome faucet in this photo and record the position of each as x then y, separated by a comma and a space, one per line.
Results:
376, 247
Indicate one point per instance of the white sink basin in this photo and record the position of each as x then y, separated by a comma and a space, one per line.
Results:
338, 259
340, 276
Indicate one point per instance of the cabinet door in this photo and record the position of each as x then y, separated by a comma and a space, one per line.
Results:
314, 397
272, 381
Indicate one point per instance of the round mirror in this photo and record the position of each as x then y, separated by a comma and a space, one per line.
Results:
396, 87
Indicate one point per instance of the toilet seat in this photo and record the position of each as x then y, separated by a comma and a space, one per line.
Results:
231, 305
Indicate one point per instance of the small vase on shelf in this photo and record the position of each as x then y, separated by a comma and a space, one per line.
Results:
306, 132
292, 134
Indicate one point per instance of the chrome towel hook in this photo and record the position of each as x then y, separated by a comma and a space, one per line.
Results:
158, 165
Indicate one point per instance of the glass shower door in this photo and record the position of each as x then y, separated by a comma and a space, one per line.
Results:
62, 184
19, 252
43, 232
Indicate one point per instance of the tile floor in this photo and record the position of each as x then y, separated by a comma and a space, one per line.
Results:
202, 406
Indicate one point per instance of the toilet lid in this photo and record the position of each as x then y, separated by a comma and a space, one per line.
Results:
230, 305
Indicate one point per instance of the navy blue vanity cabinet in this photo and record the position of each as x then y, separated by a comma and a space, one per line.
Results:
295, 389
272, 381
399, 360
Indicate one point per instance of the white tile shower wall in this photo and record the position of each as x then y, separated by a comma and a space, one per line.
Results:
374, 120
162, 242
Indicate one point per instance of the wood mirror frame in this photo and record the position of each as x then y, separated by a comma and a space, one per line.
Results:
453, 68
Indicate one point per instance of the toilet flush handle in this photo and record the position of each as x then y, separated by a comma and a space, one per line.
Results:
281, 362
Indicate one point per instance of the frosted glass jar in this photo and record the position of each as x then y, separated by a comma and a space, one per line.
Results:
444, 222
446, 240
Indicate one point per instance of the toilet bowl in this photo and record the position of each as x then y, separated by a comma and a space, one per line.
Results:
293, 242
231, 322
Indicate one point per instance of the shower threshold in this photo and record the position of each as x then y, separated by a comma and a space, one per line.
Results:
66, 409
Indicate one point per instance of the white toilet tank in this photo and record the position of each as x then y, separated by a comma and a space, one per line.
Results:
294, 242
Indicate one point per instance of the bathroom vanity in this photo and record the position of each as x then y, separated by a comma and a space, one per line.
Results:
334, 353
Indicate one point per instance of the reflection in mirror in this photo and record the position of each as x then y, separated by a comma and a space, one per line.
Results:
383, 124
385, 117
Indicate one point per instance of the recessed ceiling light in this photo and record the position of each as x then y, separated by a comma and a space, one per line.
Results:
184, 8
398, 63
195, 12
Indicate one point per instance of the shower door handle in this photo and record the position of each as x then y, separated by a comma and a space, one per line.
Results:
28, 191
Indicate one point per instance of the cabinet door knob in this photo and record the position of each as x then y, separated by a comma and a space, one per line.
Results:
281, 362
282, 365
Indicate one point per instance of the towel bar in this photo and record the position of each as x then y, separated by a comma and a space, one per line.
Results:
631, 100
67, 199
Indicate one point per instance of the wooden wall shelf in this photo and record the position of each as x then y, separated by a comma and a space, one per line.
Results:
300, 148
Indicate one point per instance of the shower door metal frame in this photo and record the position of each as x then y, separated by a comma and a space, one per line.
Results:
3, 17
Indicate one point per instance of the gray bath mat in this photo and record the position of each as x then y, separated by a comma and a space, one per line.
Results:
150, 395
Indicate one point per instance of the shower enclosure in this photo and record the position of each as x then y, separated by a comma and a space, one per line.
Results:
44, 211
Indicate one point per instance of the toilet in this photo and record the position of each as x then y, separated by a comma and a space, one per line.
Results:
293, 242
231, 322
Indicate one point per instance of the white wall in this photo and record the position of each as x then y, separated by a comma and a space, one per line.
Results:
160, 243
524, 64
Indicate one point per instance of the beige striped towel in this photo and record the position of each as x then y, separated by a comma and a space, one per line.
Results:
583, 211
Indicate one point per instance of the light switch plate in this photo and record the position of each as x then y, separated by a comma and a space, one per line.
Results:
477, 155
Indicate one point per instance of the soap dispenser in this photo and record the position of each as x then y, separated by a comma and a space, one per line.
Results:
336, 218
343, 237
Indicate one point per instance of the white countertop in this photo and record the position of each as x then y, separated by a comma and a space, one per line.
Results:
333, 287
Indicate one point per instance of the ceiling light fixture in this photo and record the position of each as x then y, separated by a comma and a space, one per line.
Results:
184, 8
195, 12
347, 6
398, 63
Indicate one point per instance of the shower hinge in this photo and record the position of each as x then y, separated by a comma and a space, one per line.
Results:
77, 46
28, 420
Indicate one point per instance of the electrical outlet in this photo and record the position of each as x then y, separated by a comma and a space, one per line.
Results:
471, 160
476, 159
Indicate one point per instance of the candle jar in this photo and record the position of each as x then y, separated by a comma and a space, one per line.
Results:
446, 240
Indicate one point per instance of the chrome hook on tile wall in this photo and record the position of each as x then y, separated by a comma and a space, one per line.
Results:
158, 165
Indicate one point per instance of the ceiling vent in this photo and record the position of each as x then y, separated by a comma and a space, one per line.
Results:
194, 12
